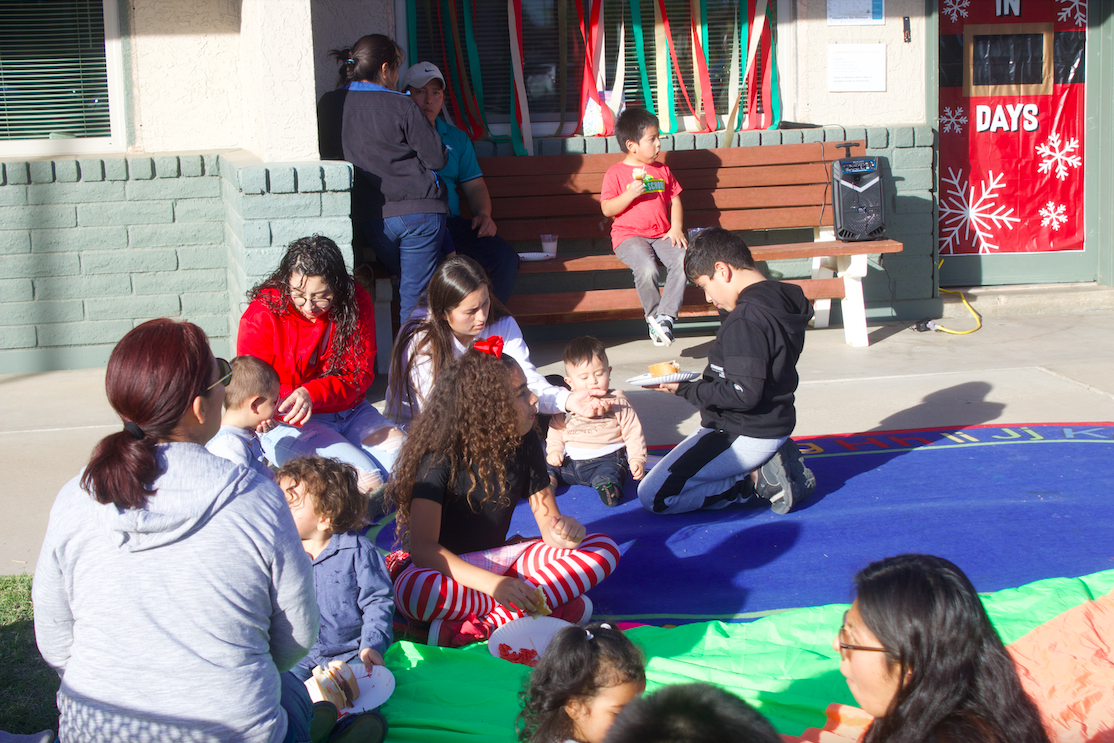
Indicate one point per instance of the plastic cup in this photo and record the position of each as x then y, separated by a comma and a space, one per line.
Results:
549, 244
692, 232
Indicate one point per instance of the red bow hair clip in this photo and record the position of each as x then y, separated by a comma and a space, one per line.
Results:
492, 346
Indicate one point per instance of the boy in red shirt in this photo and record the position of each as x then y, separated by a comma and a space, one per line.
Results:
644, 198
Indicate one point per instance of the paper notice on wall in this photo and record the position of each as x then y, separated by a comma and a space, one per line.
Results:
856, 12
856, 68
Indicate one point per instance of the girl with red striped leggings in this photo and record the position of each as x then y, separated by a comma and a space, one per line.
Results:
471, 456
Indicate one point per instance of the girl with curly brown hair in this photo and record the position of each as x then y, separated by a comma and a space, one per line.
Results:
470, 457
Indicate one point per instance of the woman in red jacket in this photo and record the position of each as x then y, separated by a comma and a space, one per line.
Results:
315, 325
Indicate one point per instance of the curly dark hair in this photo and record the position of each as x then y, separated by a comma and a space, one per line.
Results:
332, 485
577, 664
956, 681
469, 422
430, 334
317, 255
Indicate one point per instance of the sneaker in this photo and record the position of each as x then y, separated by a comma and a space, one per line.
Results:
360, 727
660, 334
578, 611
784, 480
324, 720
740, 492
610, 493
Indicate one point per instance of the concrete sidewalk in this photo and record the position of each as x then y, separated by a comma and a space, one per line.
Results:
1017, 369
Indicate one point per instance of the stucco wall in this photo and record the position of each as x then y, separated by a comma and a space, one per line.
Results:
339, 23
228, 74
904, 98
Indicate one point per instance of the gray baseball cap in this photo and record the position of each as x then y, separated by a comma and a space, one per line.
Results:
420, 74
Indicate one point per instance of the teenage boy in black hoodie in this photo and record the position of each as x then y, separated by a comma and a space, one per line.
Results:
745, 395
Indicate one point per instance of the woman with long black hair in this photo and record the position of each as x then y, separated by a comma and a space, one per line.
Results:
920, 654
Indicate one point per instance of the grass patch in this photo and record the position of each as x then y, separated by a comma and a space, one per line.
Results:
27, 683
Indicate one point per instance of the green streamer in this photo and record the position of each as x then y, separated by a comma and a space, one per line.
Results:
412, 31
640, 49
775, 90
474, 62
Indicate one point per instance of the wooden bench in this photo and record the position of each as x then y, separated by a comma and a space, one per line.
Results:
747, 188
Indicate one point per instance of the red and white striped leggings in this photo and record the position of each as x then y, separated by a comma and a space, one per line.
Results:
423, 594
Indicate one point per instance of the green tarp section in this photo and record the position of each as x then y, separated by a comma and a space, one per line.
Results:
783, 664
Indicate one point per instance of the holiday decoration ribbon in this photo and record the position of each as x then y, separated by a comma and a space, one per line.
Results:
492, 346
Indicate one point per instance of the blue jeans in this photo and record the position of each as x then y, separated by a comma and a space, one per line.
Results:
496, 255
410, 247
595, 472
337, 435
295, 701
706, 464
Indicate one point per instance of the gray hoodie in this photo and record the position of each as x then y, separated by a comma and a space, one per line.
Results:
173, 621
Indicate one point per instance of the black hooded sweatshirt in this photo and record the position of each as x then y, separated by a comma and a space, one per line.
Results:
748, 386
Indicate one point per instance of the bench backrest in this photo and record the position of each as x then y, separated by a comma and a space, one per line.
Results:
738, 188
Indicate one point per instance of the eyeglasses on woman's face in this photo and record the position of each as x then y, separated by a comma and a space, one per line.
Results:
319, 301
224, 372
845, 647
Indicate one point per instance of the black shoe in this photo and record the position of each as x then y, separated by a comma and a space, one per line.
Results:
610, 493
740, 492
784, 480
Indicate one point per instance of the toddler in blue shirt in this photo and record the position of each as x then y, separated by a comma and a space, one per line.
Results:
251, 394
353, 589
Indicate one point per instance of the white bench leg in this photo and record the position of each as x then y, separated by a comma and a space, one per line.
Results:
384, 330
852, 268
822, 268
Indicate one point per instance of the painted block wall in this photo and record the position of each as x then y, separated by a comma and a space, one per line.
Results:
266, 206
90, 248
905, 287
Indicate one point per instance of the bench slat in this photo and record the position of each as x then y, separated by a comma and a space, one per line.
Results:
622, 304
610, 262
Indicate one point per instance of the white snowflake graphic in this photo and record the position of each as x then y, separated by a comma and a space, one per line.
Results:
962, 214
1073, 10
1053, 154
953, 9
953, 120
1054, 215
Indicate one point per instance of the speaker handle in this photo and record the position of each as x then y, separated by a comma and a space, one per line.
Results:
847, 147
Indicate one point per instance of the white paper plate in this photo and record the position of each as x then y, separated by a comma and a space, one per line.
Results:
375, 688
536, 256
647, 379
526, 633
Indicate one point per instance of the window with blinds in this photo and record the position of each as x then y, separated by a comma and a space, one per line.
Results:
541, 42
53, 70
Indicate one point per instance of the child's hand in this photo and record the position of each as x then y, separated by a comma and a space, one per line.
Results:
265, 426
636, 188
517, 593
637, 470
566, 531
371, 658
555, 459
677, 237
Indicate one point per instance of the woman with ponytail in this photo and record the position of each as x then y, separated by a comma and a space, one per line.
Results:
397, 198
172, 588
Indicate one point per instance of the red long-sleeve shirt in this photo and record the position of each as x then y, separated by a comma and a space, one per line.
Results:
300, 351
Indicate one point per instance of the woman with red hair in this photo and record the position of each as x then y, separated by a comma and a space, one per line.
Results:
172, 589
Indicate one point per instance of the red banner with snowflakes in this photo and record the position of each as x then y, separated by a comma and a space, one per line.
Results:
1011, 126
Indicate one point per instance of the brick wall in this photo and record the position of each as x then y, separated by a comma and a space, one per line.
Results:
90, 248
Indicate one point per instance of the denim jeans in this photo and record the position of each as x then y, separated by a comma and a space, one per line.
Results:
337, 435
705, 464
595, 472
296, 703
638, 253
496, 255
410, 247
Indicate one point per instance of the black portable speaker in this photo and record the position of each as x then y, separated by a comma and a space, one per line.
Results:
857, 199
